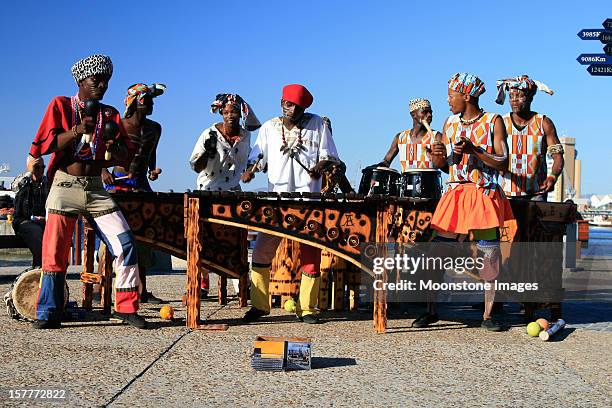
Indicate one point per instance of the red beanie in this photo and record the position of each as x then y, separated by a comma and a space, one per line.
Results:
297, 94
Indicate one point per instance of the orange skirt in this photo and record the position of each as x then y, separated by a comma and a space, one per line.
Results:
467, 207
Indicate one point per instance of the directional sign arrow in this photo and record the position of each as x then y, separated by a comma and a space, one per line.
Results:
587, 59
590, 34
606, 37
608, 49
607, 24
600, 69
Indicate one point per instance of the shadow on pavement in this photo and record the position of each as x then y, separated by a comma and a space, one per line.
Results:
329, 362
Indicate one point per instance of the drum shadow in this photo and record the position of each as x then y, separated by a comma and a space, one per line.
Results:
265, 320
346, 316
159, 324
330, 362
433, 327
82, 323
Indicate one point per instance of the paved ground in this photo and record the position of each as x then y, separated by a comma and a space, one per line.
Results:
455, 362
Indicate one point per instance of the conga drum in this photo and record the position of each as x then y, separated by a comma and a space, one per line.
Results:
420, 183
21, 299
379, 180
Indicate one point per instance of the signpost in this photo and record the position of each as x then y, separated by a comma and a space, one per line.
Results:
598, 64
590, 33
600, 69
606, 37
587, 59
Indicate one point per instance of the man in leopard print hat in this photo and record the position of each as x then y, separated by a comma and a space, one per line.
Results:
79, 133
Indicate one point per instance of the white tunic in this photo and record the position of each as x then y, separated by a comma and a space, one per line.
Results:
284, 173
224, 170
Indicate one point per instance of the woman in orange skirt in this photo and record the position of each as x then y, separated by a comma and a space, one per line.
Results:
475, 152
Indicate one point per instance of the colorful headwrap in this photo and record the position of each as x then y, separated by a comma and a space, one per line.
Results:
523, 83
138, 92
419, 103
468, 84
298, 94
249, 119
90, 66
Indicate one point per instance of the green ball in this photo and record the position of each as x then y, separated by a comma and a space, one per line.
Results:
533, 329
290, 306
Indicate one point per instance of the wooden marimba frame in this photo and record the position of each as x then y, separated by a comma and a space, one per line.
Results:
209, 229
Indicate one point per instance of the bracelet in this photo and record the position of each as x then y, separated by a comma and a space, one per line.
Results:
555, 149
553, 176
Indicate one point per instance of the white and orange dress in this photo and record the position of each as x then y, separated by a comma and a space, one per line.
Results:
474, 200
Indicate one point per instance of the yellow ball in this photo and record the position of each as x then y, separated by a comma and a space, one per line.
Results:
166, 312
290, 305
533, 329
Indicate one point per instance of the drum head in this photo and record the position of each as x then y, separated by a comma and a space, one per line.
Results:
420, 170
389, 169
25, 293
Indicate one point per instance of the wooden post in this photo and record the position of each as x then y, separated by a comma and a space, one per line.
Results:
105, 269
353, 297
77, 242
194, 246
222, 287
338, 284
243, 281
380, 296
325, 286
243, 287
89, 248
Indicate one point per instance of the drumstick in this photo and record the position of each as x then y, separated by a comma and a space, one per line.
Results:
122, 178
424, 122
259, 157
311, 173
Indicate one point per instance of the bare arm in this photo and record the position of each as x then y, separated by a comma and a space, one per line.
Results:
552, 139
558, 162
438, 153
63, 140
393, 151
499, 158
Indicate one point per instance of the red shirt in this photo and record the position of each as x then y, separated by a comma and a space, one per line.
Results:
59, 118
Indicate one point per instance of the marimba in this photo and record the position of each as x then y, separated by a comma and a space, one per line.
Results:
210, 228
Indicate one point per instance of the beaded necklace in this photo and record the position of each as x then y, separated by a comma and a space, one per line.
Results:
77, 105
474, 120
293, 150
283, 134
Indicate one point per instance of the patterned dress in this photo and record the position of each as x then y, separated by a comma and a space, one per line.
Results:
414, 155
527, 157
470, 168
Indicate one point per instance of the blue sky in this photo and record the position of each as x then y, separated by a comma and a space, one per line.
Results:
361, 60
